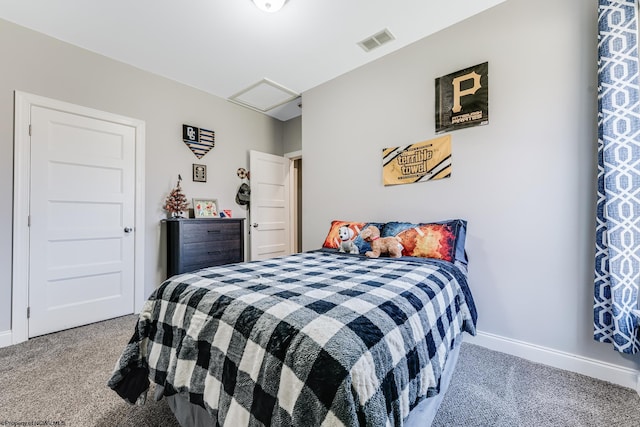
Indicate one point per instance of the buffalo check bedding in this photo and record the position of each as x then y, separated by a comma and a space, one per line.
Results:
317, 338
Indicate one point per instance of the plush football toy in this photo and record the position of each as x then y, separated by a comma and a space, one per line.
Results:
346, 243
380, 245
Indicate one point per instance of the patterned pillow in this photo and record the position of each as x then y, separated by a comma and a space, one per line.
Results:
332, 240
441, 240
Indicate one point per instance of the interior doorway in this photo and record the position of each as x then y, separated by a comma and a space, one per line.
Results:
295, 201
78, 247
296, 206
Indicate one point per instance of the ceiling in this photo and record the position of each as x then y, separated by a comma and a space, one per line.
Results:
225, 47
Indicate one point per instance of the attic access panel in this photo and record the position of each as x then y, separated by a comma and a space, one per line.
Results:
264, 96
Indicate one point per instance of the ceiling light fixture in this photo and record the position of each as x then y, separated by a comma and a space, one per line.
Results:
269, 5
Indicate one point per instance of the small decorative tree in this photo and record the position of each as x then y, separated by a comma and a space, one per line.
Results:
176, 202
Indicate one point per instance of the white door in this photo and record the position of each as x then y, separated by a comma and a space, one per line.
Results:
269, 206
81, 237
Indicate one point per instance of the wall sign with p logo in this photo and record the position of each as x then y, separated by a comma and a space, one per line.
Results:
462, 98
200, 141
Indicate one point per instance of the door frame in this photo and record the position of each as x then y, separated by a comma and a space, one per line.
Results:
293, 188
21, 187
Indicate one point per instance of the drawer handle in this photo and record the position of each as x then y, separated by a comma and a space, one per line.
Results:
213, 231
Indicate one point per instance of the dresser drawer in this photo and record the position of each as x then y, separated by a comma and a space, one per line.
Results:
193, 244
202, 252
210, 231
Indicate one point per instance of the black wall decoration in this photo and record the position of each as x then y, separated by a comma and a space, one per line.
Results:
200, 141
199, 173
462, 98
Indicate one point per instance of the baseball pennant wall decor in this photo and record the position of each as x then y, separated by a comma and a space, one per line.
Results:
200, 141
423, 161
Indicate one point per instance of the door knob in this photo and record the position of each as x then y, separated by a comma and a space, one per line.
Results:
254, 225
128, 229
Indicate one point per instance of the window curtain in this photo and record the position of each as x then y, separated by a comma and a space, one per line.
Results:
617, 266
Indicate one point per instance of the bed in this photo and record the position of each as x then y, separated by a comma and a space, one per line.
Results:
316, 338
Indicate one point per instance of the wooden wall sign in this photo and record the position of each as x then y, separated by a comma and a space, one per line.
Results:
462, 98
200, 141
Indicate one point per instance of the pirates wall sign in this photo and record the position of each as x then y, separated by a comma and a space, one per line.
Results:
423, 161
462, 98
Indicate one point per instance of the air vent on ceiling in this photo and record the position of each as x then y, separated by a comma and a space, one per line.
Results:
376, 40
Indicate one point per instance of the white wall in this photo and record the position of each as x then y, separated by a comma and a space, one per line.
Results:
34, 63
525, 182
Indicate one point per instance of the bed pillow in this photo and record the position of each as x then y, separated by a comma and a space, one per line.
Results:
332, 241
441, 240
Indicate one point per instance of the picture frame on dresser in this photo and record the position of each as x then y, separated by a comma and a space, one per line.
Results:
205, 208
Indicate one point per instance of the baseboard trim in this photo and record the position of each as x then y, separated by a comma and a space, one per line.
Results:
624, 377
6, 338
605, 371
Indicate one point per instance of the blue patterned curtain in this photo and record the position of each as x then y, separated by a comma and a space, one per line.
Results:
617, 269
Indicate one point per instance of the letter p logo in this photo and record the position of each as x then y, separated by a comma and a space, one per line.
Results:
457, 93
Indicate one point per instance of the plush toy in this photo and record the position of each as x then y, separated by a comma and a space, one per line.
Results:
380, 245
346, 245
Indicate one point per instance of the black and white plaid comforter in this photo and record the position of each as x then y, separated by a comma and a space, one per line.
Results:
318, 338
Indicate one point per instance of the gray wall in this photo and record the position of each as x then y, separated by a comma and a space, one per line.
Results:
292, 135
44, 66
525, 182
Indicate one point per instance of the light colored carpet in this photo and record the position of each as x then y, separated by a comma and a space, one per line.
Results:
498, 390
62, 378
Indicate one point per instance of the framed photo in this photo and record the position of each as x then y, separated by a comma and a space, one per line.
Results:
200, 173
205, 208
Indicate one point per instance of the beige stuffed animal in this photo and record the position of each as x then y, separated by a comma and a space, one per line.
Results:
380, 245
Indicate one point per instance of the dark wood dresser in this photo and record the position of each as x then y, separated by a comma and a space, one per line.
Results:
203, 242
